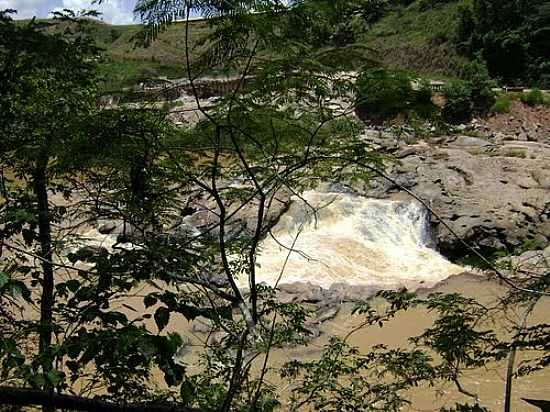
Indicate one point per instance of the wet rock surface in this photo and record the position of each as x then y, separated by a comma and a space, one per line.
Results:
492, 193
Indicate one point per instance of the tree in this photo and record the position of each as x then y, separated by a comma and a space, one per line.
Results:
131, 165
47, 90
383, 94
510, 36
472, 96
52, 138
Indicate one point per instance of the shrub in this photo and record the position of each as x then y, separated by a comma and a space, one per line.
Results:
458, 107
472, 95
502, 104
533, 98
481, 86
422, 103
383, 94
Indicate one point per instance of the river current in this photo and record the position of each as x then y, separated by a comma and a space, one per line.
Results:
328, 238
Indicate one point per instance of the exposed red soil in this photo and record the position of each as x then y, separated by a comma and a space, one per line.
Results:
523, 121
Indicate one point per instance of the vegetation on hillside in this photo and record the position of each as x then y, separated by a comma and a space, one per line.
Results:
431, 38
419, 37
513, 36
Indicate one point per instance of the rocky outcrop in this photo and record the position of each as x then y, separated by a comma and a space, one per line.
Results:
242, 218
522, 122
528, 264
494, 194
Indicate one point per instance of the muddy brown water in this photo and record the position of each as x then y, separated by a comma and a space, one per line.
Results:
487, 382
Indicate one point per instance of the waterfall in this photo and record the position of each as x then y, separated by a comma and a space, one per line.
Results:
354, 240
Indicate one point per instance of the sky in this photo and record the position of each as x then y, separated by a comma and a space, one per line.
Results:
114, 11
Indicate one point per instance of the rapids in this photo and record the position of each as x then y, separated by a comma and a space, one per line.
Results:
354, 240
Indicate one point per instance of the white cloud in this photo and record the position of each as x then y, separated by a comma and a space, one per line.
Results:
25, 8
113, 11
117, 12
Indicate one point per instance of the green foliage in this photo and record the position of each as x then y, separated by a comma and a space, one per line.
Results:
418, 38
185, 242
382, 94
471, 96
455, 336
481, 85
345, 379
116, 74
533, 98
511, 35
458, 105
52, 130
502, 104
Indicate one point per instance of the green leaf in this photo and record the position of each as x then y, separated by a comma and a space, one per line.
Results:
28, 236
187, 392
114, 318
162, 316
73, 285
149, 301
4, 278
54, 377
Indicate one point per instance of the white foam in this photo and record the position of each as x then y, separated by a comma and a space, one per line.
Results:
353, 240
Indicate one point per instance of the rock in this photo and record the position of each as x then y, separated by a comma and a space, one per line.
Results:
216, 338
86, 253
493, 198
343, 292
522, 137
285, 297
405, 152
312, 330
184, 350
531, 262
243, 221
202, 325
128, 233
326, 313
542, 177
304, 292
470, 141
108, 227
544, 229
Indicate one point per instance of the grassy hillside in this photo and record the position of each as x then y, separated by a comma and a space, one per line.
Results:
415, 38
419, 39
127, 61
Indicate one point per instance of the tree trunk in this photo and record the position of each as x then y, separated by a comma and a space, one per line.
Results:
29, 397
509, 381
40, 182
512, 361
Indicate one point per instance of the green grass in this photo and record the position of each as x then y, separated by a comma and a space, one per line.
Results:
419, 39
535, 97
522, 154
126, 60
414, 38
117, 74
502, 104
532, 98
